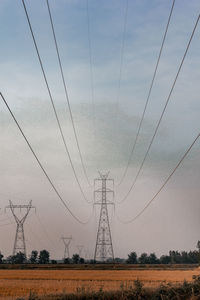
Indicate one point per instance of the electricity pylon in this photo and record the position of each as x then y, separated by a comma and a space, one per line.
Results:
19, 243
80, 249
103, 196
66, 241
87, 255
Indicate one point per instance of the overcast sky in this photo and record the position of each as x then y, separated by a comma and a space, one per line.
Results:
172, 221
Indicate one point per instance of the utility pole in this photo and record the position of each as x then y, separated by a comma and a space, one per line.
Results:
80, 249
103, 196
66, 241
19, 243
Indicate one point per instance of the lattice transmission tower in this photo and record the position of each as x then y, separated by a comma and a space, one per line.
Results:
80, 249
66, 241
19, 243
87, 254
103, 196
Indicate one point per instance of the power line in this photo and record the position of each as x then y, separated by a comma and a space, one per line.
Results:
122, 57
9, 196
66, 92
148, 97
91, 67
40, 164
41, 241
10, 223
3, 220
164, 109
45, 230
2, 225
121, 62
163, 185
31, 245
52, 102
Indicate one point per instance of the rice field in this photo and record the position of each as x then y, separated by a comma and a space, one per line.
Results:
18, 283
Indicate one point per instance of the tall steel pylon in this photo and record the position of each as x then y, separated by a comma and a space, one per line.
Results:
80, 249
103, 196
66, 241
19, 243
87, 254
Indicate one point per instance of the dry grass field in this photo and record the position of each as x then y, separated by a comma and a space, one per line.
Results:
16, 283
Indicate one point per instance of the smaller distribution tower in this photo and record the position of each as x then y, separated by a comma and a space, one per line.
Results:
80, 249
66, 241
19, 243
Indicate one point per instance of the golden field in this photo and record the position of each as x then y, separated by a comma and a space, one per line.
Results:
15, 283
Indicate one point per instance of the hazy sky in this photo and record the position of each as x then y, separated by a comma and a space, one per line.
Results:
172, 221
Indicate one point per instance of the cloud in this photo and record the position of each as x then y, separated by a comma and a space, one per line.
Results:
23, 86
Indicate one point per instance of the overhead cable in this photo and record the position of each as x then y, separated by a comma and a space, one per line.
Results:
66, 92
162, 114
40, 164
53, 105
33, 232
148, 97
2, 225
163, 185
45, 231
91, 68
122, 56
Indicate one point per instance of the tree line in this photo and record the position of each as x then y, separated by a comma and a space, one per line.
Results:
174, 257
43, 257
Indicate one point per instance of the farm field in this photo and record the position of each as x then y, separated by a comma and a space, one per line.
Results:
18, 283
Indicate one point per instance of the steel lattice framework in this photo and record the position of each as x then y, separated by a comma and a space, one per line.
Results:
19, 243
103, 196
80, 249
66, 241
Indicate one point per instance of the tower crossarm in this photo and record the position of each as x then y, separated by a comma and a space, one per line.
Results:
19, 243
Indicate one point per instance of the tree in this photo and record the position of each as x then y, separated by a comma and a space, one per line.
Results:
82, 260
44, 257
172, 256
184, 257
67, 261
175, 257
92, 261
119, 260
34, 256
75, 258
198, 245
1, 258
165, 259
193, 257
18, 258
132, 258
54, 262
153, 259
143, 259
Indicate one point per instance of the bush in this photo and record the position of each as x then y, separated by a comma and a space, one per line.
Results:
184, 291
